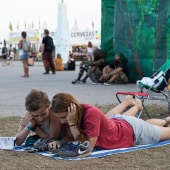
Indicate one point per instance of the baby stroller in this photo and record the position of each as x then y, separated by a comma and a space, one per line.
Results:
158, 83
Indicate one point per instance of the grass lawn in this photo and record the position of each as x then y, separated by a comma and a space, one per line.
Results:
154, 158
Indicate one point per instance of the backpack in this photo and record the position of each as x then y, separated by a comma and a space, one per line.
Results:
4, 50
42, 144
50, 44
26, 46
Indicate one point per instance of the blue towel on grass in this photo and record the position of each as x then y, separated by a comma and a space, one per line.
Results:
100, 153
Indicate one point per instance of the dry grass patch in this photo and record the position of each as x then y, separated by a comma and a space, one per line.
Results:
154, 158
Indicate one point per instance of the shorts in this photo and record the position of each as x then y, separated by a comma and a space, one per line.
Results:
144, 132
24, 57
4, 57
89, 54
122, 78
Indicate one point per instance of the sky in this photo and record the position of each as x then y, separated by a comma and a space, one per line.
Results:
20, 11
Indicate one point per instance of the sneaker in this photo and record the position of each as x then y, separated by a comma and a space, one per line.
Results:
82, 81
108, 83
76, 149
65, 146
96, 82
75, 81
46, 73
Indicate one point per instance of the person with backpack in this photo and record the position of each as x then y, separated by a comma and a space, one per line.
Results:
4, 55
24, 50
47, 53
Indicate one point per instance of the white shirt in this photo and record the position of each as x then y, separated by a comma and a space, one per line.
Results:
12, 54
89, 49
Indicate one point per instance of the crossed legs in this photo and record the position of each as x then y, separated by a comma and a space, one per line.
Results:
135, 107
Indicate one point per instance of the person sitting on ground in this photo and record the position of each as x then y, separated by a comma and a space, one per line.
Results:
58, 63
116, 129
117, 71
71, 64
93, 68
38, 119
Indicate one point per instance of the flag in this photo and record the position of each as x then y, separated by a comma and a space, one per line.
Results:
17, 25
10, 26
25, 25
92, 25
32, 24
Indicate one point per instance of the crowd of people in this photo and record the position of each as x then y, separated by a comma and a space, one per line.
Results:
95, 67
7, 55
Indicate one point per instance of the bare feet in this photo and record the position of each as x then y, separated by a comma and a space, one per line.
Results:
138, 103
167, 119
129, 100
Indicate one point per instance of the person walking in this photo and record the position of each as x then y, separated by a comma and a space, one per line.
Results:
4, 55
24, 49
47, 57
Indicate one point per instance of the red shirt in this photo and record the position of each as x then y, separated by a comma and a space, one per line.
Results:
112, 133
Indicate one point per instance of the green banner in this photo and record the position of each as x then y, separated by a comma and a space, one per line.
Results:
140, 29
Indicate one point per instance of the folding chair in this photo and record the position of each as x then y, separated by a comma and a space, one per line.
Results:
158, 83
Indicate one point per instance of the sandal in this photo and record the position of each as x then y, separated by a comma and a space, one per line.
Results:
167, 119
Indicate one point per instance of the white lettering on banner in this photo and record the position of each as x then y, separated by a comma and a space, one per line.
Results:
83, 34
77, 35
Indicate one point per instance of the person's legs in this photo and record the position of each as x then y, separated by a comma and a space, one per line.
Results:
119, 78
88, 73
80, 74
46, 62
46, 66
25, 66
128, 102
108, 70
11, 62
165, 133
4, 61
160, 122
135, 109
113, 78
51, 62
95, 75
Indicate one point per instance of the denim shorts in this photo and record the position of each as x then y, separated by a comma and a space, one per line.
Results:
24, 57
144, 132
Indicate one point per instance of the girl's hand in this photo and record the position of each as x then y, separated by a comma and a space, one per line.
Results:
71, 118
54, 145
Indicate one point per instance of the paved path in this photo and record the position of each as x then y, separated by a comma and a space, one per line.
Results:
14, 89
